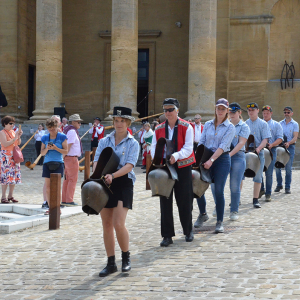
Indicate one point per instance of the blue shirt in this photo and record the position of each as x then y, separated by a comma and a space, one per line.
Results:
53, 155
220, 137
127, 150
276, 131
289, 128
241, 130
260, 129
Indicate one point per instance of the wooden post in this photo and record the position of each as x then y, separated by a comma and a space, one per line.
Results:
148, 164
87, 168
54, 210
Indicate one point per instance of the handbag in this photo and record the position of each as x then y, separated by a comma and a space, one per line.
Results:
53, 165
17, 153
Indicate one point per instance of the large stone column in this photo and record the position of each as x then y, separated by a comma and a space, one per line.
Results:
9, 54
202, 58
124, 55
48, 58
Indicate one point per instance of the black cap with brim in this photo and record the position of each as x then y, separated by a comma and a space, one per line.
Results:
252, 105
97, 118
171, 101
289, 108
234, 106
122, 112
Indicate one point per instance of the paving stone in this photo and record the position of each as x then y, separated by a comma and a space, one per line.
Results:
257, 260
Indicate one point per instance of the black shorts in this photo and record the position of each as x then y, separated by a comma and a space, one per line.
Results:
47, 172
122, 188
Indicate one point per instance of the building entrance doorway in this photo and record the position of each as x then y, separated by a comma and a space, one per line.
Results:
143, 82
31, 89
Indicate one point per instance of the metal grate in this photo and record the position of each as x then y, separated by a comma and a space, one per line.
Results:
211, 229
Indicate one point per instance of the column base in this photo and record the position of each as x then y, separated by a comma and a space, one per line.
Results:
40, 116
19, 117
205, 115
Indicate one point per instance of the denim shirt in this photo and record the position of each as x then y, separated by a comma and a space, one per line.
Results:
127, 150
241, 130
220, 137
289, 128
260, 129
276, 131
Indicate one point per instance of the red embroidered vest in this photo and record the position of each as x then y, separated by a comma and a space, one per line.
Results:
182, 128
101, 136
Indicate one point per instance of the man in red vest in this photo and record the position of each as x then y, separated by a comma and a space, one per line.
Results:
182, 135
97, 132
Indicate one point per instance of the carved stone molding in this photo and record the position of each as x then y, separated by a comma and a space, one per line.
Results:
245, 20
142, 33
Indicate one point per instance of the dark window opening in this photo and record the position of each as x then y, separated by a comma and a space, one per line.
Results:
143, 82
31, 89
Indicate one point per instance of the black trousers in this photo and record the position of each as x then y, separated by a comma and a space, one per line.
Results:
184, 198
195, 147
94, 143
38, 146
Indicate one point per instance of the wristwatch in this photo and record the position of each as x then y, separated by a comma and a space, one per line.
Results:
212, 160
113, 177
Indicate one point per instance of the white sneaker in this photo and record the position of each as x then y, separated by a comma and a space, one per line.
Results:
214, 212
234, 216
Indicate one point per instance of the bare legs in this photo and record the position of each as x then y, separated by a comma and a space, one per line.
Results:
10, 192
114, 219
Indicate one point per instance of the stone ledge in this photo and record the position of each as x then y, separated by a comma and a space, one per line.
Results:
142, 33
245, 20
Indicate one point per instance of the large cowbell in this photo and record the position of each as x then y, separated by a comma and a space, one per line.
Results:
162, 177
252, 159
94, 192
199, 186
282, 157
268, 158
203, 154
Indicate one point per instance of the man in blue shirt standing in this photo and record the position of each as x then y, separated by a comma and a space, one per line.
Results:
261, 132
274, 141
290, 134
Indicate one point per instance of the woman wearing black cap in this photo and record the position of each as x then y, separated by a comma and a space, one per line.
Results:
238, 159
115, 212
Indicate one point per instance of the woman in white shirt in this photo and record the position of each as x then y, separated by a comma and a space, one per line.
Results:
38, 144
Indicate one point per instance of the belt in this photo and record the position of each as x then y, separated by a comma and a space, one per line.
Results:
72, 155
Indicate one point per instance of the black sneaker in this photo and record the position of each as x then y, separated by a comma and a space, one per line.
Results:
69, 203
278, 188
256, 204
45, 205
261, 193
287, 191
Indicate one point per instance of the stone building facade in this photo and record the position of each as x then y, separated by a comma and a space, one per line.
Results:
95, 54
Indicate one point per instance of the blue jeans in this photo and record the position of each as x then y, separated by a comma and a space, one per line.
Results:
202, 204
219, 172
258, 175
269, 175
237, 170
288, 170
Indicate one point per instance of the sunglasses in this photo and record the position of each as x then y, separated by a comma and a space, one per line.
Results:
11, 123
169, 109
251, 105
285, 112
234, 108
266, 107
197, 118
78, 122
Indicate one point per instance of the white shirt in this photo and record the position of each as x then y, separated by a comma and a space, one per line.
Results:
141, 136
197, 132
75, 149
38, 136
98, 130
185, 151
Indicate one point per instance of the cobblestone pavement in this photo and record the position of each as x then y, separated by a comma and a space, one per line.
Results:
256, 258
